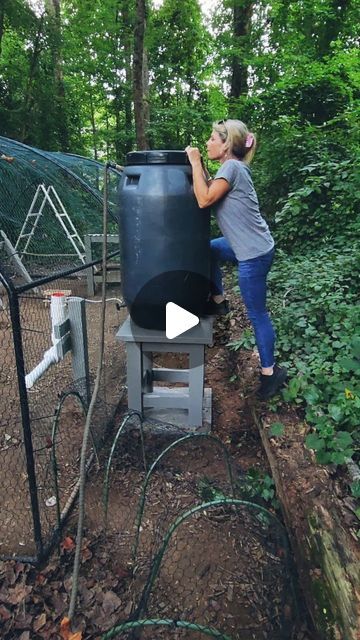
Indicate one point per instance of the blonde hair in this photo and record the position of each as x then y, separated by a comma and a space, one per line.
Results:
237, 136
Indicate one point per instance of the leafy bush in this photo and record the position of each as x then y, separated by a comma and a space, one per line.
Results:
328, 199
308, 179
314, 298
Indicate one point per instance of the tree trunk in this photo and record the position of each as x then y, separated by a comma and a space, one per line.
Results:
140, 86
92, 118
242, 13
28, 97
127, 39
53, 10
123, 90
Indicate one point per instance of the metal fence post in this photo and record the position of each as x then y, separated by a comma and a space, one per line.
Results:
25, 415
79, 345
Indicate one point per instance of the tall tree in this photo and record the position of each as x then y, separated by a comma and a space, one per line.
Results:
123, 92
242, 11
53, 10
33, 69
141, 99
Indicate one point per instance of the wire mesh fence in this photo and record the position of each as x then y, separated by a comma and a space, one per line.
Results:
200, 559
41, 423
59, 197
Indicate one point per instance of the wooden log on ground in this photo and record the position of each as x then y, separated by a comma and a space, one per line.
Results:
322, 531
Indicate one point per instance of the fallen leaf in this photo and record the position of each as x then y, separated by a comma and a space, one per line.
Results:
65, 628
39, 622
23, 621
86, 554
18, 593
67, 544
68, 584
4, 613
65, 631
122, 572
58, 604
110, 603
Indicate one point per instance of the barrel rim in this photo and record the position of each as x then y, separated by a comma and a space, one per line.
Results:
157, 156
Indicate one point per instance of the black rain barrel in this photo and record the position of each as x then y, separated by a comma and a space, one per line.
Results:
164, 237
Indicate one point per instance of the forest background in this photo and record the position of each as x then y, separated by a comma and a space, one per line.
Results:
102, 77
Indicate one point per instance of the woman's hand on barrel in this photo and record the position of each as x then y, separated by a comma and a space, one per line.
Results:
194, 155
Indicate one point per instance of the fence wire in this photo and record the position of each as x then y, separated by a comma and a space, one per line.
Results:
219, 568
78, 182
34, 328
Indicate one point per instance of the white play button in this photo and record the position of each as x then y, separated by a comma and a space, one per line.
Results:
178, 320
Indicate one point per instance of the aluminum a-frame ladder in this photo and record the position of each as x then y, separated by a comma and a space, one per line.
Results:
51, 197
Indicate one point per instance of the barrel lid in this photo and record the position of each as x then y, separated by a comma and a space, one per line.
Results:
161, 156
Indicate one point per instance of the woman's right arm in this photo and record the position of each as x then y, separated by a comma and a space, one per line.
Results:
206, 193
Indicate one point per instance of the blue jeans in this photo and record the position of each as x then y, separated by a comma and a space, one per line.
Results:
252, 283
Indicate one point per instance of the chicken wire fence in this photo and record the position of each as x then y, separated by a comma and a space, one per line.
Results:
41, 422
201, 558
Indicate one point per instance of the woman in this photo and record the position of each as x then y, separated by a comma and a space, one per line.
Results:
246, 239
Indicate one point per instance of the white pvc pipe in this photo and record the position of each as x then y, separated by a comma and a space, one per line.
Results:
58, 314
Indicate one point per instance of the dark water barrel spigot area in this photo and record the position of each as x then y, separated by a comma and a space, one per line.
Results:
164, 237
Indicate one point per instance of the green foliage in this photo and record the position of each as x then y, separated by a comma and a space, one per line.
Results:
328, 199
305, 109
209, 491
254, 486
246, 341
315, 303
257, 484
277, 429
331, 446
179, 49
312, 191
355, 488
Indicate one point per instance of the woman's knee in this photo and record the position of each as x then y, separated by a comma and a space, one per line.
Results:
221, 250
216, 247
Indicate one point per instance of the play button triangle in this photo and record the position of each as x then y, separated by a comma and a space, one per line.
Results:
178, 320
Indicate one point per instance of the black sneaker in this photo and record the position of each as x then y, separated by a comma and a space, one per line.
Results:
213, 308
270, 385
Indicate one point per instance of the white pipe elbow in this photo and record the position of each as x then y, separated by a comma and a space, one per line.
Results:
51, 356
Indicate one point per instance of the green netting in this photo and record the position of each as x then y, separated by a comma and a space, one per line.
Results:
78, 183
91, 172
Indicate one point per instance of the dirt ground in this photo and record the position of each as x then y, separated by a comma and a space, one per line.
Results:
224, 567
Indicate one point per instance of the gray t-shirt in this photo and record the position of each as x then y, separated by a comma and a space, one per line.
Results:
238, 213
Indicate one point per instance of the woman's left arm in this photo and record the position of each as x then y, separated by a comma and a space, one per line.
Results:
206, 194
